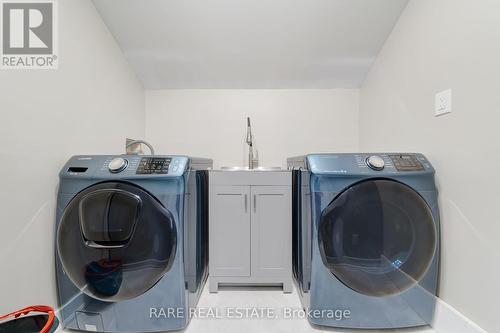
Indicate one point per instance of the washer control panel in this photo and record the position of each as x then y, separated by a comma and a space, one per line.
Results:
406, 162
153, 165
125, 166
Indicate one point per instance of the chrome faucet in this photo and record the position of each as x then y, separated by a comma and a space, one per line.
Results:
249, 142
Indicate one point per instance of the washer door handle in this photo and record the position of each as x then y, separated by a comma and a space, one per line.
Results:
95, 245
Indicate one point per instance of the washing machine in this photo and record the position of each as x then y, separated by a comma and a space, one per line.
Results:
365, 239
131, 241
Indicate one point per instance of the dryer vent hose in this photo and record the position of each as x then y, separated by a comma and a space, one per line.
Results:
136, 142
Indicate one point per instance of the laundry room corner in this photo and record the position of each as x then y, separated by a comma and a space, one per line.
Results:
426, 54
90, 104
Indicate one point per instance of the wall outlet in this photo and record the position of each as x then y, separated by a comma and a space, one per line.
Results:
443, 103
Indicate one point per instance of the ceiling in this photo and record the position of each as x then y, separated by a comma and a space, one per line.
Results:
189, 44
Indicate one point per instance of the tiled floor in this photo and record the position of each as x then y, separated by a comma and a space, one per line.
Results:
260, 298
257, 298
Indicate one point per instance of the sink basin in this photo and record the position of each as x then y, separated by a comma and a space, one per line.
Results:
240, 168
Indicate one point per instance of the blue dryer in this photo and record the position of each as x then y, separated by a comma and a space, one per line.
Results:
131, 241
365, 239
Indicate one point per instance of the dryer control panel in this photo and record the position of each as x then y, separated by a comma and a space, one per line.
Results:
377, 164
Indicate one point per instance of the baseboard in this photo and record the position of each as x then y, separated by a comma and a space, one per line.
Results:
447, 319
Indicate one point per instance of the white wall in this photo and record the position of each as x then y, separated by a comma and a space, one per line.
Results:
440, 44
212, 123
88, 106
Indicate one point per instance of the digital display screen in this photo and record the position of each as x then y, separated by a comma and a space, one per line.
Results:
406, 162
153, 165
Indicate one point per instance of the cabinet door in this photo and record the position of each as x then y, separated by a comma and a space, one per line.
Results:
271, 230
229, 231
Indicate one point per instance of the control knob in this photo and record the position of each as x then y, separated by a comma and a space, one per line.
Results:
117, 164
375, 162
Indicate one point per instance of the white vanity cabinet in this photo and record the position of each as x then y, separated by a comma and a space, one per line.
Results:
250, 228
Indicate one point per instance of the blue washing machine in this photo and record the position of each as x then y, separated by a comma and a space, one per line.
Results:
365, 239
131, 241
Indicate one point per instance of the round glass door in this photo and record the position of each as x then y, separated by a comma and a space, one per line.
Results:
116, 241
377, 237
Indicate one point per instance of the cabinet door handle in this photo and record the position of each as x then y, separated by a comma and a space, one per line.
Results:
246, 203
255, 203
